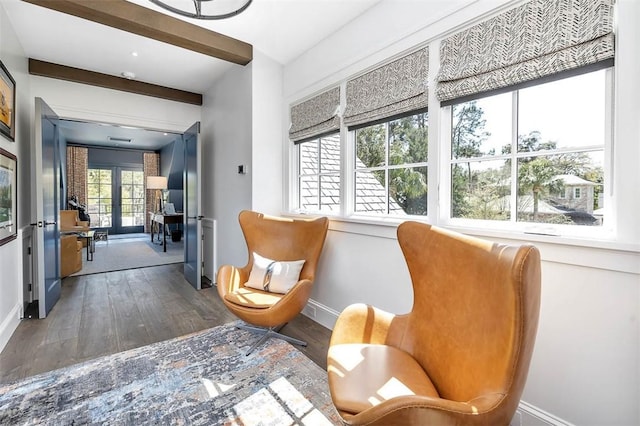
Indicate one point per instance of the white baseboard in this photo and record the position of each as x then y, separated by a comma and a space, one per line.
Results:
321, 314
528, 415
9, 325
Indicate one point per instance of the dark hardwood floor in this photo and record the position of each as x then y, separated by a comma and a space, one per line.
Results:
106, 313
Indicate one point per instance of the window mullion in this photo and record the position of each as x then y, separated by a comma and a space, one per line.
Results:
318, 180
513, 199
347, 189
347, 169
319, 197
300, 174
386, 168
609, 134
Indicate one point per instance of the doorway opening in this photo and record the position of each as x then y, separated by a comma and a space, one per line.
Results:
113, 162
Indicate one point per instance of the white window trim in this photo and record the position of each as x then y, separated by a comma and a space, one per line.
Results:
439, 164
577, 193
353, 170
605, 232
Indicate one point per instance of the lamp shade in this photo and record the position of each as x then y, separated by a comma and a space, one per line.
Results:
156, 182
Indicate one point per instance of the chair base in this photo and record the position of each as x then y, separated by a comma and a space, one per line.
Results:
267, 333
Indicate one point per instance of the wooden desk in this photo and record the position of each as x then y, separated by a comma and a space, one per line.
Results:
160, 220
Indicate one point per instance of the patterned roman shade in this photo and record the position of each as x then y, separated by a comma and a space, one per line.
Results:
316, 116
535, 40
395, 88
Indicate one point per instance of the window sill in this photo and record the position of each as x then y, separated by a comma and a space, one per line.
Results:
594, 253
589, 253
381, 227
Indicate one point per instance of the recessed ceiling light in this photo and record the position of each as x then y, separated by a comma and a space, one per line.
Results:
134, 53
128, 75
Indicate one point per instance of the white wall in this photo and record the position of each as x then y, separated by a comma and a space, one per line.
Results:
91, 103
356, 267
242, 125
226, 136
13, 57
584, 368
267, 137
585, 365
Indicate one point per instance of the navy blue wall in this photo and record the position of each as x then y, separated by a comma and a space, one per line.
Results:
115, 157
172, 166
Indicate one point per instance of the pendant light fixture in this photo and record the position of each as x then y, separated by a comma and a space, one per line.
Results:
204, 9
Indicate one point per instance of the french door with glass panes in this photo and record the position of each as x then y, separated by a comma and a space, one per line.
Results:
115, 199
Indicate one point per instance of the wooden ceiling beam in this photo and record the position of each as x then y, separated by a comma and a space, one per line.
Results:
146, 22
77, 75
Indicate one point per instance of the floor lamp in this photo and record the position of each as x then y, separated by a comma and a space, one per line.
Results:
158, 183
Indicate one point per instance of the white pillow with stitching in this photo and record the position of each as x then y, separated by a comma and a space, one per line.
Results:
274, 276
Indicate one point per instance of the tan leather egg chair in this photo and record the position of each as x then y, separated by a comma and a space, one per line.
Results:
282, 240
461, 356
70, 222
70, 245
70, 255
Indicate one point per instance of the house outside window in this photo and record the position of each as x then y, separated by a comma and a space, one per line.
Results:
513, 153
390, 169
319, 174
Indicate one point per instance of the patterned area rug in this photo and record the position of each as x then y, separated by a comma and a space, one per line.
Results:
128, 253
200, 379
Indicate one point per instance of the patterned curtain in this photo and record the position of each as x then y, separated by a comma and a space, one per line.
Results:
537, 39
316, 116
151, 167
77, 166
392, 89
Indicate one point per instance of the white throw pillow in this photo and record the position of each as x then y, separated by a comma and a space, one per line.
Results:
274, 276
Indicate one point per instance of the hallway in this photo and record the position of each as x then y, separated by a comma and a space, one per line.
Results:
106, 313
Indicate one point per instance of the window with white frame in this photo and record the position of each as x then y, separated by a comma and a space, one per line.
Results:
319, 174
577, 193
390, 168
514, 155
530, 127
386, 116
315, 133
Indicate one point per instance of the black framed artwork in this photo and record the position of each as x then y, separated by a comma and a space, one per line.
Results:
7, 103
8, 197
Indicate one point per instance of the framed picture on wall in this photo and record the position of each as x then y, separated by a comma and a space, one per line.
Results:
8, 197
7, 103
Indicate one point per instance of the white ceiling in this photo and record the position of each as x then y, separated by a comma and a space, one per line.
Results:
280, 29
113, 136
